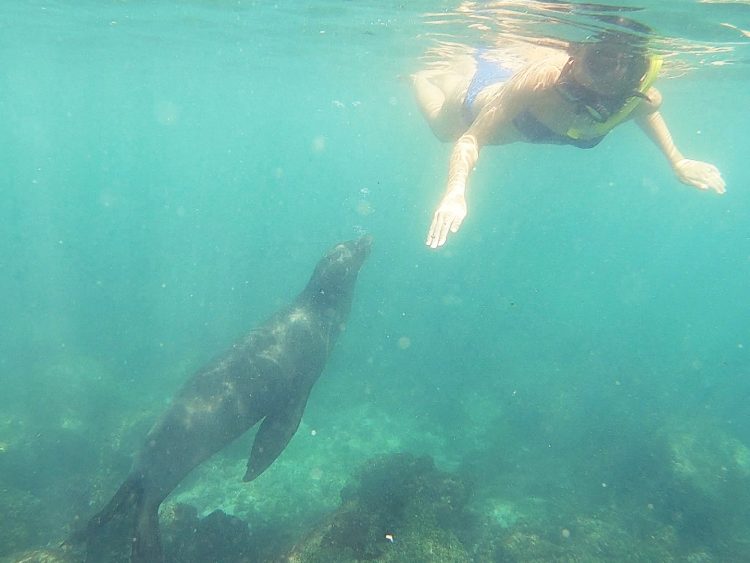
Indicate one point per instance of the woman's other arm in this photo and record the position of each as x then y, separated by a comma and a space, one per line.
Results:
702, 175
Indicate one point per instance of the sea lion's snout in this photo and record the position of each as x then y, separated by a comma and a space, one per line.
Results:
352, 251
341, 263
364, 245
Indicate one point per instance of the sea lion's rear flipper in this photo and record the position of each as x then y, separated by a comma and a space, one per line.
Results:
134, 524
273, 435
146, 541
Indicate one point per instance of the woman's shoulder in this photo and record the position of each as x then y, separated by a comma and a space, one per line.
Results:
544, 70
649, 104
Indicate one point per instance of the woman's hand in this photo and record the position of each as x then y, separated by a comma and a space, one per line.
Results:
701, 175
448, 216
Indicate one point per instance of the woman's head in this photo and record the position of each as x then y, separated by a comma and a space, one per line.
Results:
614, 60
611, 68
604, 72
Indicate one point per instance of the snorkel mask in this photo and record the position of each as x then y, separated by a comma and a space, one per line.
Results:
605, 59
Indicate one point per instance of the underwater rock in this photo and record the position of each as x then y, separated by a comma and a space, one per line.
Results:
398, 508
604, 537
20, 527
706, 493
219, 537
43, 556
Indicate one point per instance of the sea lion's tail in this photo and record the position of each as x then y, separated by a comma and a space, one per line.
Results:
132, 518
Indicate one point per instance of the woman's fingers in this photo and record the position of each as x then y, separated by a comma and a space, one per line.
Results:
447, 219
441, 224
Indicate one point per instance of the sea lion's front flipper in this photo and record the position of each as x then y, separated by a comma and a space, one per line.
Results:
273, 435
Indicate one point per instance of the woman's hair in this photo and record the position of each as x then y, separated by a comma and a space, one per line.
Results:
617, 52
615, 61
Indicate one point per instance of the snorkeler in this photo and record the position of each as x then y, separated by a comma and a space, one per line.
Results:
573, 96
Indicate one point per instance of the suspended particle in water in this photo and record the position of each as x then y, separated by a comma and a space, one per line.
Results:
319, 144
364, 208
166, 112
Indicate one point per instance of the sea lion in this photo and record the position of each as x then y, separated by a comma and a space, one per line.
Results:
265, 376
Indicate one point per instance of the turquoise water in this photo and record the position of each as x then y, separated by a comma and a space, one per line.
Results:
171, 172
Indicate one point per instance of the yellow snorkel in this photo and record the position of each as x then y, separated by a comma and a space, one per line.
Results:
599, 129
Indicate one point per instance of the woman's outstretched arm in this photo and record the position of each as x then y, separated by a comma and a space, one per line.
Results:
702, 175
